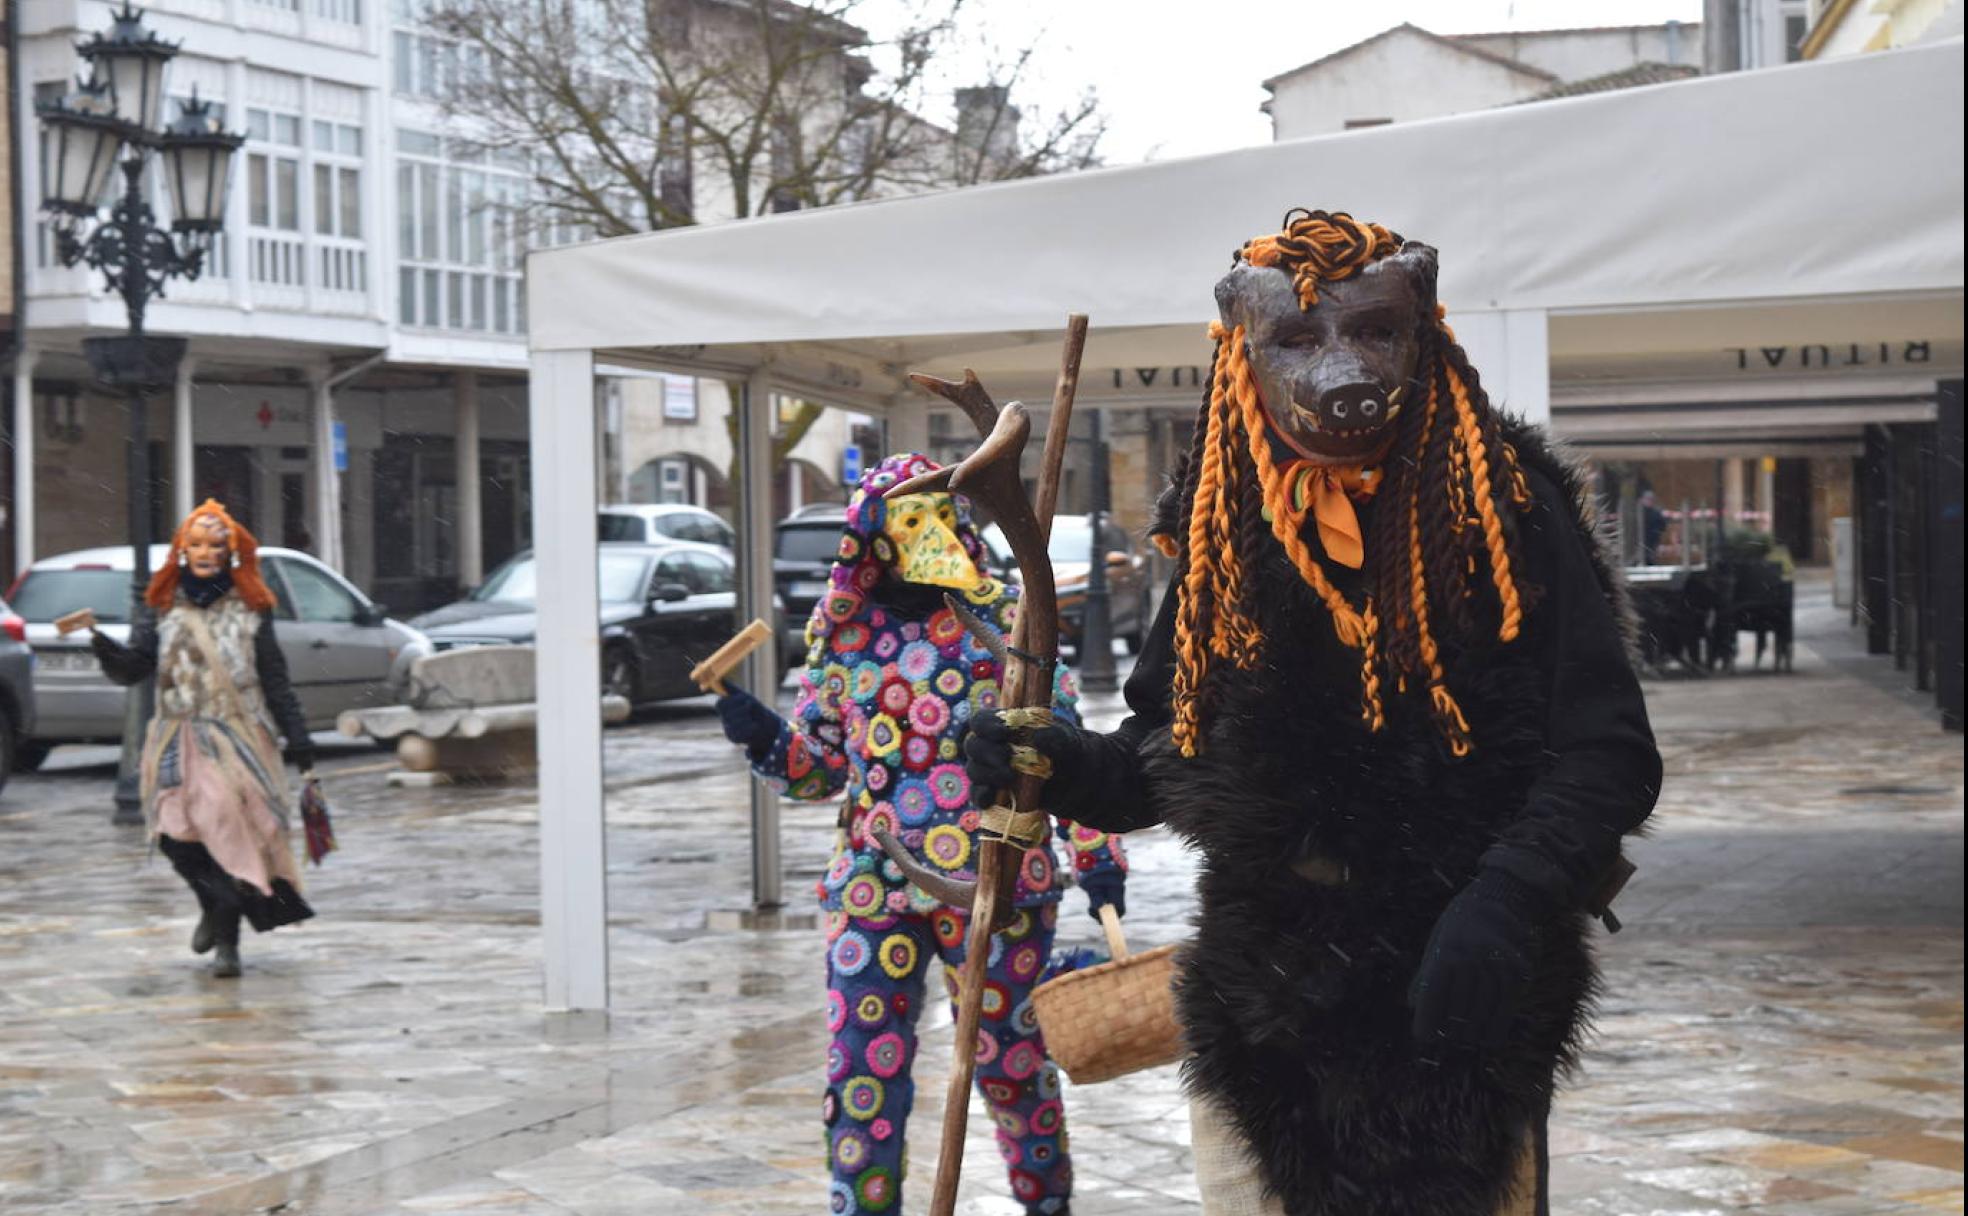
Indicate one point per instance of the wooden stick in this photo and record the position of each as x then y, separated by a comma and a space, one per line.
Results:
709, 674
1110, 924
970, 1014
997, 860
1063, 391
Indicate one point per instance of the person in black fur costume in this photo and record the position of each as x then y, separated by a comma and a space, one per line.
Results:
1389, 700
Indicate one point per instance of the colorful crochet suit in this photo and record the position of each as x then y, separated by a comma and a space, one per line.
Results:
881, 709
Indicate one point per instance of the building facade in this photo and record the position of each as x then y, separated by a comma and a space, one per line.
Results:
356, 377
1406, 73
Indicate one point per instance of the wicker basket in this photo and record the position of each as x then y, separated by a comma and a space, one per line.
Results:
1115, 1018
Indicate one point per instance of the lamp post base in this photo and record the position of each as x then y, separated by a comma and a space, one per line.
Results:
128, 811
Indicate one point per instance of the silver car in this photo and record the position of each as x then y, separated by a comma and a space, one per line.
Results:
343, 651
660, 523
16, 689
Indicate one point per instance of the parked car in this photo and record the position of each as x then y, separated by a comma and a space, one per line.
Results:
1128, 590
16, 689
343, 651
660, 523
803, 548
664, 608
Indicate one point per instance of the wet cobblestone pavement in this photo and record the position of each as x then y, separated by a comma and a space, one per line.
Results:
1782, 1035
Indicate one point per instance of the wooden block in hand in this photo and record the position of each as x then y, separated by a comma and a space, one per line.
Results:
81, 618
709, 674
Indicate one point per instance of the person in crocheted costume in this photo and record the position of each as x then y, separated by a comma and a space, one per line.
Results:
892, 677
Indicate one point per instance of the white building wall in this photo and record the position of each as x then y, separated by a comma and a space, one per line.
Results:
1402, 77
650, 434
1582, 53
338, 296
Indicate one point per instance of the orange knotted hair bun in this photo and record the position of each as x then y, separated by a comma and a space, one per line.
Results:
246, 579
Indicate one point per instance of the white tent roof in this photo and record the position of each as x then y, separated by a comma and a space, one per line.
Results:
1819, 203
1825, 181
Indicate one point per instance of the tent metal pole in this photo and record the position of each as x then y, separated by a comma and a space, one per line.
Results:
755, 602
573, 852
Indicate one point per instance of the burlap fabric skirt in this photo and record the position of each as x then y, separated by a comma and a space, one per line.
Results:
220, 783
1228, 1177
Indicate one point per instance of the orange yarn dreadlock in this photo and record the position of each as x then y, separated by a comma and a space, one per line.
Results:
1440, 519
246, 580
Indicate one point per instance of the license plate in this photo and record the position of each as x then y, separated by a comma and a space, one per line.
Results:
813, 589
66, 660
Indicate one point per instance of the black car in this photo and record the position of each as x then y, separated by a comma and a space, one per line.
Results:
803, 549
663, 609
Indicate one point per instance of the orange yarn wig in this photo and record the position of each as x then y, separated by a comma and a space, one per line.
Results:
246, 580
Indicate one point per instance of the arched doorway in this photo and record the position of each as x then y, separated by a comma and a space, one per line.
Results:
802, 483
682, 477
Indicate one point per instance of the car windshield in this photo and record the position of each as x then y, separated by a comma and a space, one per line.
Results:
518, 581
809, 543
47, 594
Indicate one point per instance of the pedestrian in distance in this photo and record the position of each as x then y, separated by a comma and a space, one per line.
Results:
892, 677
215, 794
1653, 527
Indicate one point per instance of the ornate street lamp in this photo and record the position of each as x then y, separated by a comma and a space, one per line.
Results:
131, 60
85, 136
116, 113
198, 152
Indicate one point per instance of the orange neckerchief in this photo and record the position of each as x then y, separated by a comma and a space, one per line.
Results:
1328, 492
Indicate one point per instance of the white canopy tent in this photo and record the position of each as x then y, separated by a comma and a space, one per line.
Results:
1823, 195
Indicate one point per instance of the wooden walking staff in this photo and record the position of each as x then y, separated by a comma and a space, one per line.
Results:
990, 477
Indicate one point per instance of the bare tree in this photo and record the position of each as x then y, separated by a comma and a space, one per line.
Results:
643, 114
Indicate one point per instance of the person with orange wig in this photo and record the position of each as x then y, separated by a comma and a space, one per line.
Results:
1389, 702
214, 794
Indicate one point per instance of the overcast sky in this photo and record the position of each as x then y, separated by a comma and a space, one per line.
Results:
1180, 77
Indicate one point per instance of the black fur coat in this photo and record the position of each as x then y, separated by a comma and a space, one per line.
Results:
1293, 992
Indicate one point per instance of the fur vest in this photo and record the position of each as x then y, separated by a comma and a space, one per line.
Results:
1327, 853
186, 686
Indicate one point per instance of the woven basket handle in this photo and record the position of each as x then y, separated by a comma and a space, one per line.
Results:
1110, 924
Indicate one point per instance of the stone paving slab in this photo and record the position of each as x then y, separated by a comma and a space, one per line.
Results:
1782, 1032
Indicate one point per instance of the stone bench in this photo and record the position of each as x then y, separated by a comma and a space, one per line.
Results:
470, 716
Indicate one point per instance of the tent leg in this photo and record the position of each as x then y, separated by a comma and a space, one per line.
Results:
1512, 347
755, 602
573, 855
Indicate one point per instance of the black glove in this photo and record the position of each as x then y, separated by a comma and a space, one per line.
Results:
302, 758
1105, 887
1477, 965
747, 721
107, 648
987, 757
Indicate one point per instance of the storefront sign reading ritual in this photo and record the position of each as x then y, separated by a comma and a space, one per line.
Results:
1820, 356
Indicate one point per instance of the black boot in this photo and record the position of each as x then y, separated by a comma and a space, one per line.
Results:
225, 961
206, 935
195, 865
